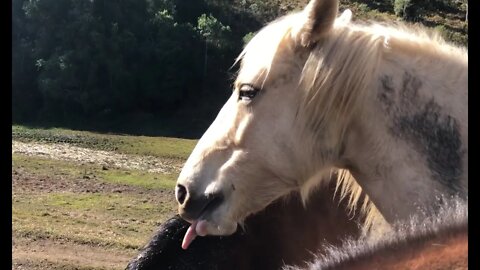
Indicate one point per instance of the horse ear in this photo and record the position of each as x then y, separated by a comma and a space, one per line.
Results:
345, 18
319, 17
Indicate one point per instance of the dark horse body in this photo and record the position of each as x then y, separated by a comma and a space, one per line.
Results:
272, 238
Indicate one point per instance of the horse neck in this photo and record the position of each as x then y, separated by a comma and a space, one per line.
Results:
409, 144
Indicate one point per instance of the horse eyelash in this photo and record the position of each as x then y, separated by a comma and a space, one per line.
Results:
250, 93
256, 89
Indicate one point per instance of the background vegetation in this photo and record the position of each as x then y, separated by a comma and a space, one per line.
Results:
158, 67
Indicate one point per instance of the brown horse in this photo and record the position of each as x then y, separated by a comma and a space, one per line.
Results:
435, 243
446, 250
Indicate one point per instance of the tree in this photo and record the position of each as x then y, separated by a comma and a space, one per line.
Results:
101, 62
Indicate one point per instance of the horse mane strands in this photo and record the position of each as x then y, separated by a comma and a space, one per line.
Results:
416, 39
348, 189
372, 218
260, 51
335, 79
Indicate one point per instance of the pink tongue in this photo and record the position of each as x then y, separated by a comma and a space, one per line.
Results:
189, 236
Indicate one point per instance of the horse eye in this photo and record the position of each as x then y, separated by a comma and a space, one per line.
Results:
247, 92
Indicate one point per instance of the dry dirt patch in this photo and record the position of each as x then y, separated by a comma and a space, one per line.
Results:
65, 254
25, 181
71, 153
46, 254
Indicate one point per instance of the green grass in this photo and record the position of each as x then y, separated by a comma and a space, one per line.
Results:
172, 148
140, 179
112, 220
50, 167
118, 220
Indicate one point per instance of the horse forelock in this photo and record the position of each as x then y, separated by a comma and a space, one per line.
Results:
261, 50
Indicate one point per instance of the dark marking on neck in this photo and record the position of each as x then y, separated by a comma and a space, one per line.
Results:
410, 86
437, 136
422, 123
387, 93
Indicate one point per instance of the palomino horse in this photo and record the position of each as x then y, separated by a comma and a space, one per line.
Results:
316, 93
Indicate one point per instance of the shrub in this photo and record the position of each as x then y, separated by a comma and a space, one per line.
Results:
363, 7
406, 9
247, 38
451, 36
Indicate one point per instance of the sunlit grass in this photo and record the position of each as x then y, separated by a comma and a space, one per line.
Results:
163, 147
50, 167
120, 220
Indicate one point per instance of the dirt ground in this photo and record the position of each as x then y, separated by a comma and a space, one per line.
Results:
68, 152
49, 254
38, 252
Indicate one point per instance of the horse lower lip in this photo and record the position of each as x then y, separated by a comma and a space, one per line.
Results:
201, 228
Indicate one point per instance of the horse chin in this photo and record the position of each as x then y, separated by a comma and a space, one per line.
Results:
219, 229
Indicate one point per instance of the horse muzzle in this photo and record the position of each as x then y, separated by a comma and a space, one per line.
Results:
192, 206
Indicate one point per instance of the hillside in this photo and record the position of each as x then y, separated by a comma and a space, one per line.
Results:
448, 16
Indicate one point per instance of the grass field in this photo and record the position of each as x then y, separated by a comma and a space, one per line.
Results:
74, 214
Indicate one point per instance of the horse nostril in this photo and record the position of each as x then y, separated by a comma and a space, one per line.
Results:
181, 193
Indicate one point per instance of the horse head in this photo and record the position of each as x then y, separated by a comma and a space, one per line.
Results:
255, 150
